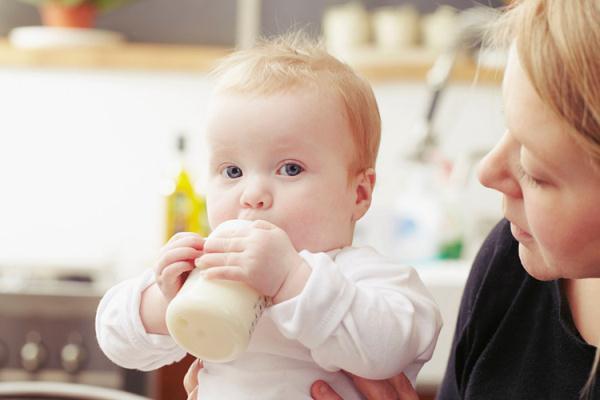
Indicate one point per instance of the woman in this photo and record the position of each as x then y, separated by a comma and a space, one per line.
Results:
529, 322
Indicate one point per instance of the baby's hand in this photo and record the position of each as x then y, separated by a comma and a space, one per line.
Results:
175, 260
260, 255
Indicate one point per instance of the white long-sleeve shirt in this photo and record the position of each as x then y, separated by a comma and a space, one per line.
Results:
358, 312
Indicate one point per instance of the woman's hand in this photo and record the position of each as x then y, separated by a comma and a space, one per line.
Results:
396, 388
190, 380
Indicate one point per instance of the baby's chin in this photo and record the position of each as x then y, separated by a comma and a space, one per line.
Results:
320, 246
320, 238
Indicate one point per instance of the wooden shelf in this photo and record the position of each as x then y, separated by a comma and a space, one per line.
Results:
414, 64
374, 65
126, 56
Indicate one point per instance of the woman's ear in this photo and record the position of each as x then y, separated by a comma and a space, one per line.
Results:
364, 183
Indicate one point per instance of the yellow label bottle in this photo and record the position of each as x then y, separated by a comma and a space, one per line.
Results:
185, 209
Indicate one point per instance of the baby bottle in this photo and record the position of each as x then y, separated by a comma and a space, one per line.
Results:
213, 319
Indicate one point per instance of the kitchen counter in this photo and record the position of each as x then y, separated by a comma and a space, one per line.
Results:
445, 281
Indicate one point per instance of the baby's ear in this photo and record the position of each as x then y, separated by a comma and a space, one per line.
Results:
364, 183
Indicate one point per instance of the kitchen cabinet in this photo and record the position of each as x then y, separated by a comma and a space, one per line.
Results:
169, 380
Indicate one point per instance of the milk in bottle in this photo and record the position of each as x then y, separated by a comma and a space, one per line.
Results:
214, 319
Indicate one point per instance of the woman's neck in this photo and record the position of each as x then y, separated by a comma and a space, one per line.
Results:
584, 299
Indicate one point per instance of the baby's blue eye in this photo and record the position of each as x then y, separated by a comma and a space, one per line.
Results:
290, 169
232, 172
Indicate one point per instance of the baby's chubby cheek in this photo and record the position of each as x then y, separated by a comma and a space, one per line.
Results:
317, 235
217, 216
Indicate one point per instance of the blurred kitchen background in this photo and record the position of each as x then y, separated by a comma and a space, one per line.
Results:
95, 124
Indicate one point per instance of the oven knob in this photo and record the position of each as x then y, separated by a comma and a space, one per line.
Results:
3, 354
73, 354
33, 352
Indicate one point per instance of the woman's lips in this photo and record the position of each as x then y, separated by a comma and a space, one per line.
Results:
520, 234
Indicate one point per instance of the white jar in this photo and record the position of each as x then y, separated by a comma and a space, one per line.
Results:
346, 27
213, 319
396, 28
440, 28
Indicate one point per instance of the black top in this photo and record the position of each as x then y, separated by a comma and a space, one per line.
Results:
515, 337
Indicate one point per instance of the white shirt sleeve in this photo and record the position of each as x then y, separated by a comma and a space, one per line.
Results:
362, 313
121, 334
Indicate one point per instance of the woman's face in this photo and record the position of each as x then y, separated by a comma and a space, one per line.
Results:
550, 187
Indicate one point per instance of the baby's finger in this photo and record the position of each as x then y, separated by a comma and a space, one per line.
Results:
262, 224
242, 231
171, 279
209, 260
231, 273
171, 272
223, 245
195, 242
177, 254
180, 235
176, 237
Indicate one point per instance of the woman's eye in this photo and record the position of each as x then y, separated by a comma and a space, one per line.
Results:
528, 178
290, 169
232, 172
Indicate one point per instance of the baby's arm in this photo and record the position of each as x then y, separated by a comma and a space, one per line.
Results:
153, 308
362, 314
130, 322
120, 331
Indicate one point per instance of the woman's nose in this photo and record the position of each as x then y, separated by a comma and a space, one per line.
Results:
497, 170
256, 195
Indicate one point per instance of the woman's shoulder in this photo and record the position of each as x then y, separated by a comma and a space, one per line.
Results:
497, 273
499, 254
498, 248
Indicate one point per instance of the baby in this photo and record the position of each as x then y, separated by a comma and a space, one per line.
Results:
292, 135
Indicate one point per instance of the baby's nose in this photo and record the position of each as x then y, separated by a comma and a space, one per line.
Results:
256, 195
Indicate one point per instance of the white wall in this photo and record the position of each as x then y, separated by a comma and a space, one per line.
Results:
83, 155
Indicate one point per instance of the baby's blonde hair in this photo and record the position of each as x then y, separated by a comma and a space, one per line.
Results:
557, 43
294, 61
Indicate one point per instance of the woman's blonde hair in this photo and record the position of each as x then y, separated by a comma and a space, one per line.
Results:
557, 43
294, 61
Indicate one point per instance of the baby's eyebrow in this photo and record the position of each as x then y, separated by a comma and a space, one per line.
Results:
220, 152
216, 159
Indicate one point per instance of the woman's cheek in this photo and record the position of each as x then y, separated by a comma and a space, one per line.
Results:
547, 225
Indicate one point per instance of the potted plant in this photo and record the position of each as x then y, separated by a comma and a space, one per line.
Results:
73, 13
